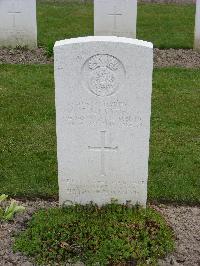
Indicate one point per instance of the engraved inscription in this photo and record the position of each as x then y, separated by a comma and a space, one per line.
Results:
103, 74
102, 149
105, 114
106, 187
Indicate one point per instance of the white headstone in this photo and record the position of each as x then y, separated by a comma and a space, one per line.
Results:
197, 27
103, 105
18, 25
115, 17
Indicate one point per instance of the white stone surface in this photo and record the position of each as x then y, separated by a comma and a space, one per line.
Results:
197, 27
115, 17
18, 26
103, 105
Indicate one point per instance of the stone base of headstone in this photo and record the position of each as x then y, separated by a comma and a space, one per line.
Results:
197, 45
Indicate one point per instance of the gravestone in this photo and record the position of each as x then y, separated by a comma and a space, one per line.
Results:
197, 27
18, 26
115, 17
103, 105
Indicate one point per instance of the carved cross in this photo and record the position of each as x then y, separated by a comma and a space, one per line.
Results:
14, 12
102, 149
115, 14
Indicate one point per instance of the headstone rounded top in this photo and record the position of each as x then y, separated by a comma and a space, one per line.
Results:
113, 39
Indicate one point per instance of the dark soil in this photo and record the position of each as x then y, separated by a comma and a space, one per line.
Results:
185, 222
177, 58
162, 58
24, 56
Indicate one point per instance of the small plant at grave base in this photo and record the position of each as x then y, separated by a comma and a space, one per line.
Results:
108, 235
49, 50
7, 213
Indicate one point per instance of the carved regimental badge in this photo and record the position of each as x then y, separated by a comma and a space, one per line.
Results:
103, 74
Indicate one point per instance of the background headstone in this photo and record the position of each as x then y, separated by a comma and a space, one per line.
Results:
18, 26
197, 27
115, 17
103, 105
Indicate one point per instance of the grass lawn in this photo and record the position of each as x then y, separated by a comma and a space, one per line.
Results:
28, 143
175, 140
27, 130
166, 25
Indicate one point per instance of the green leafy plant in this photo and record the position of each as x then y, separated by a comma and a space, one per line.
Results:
3, 197
109, 235
8, 212
49, 49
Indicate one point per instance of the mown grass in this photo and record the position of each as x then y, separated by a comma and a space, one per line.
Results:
27, 130
109, 235
166, 25
28, 143
175, 140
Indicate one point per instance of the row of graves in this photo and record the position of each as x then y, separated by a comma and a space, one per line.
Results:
103, 100
18, 23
